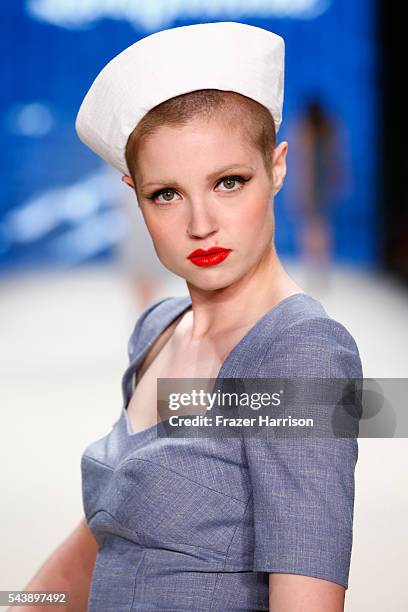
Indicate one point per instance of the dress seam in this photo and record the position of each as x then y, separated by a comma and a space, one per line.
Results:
227, 552
241, 501
147, 547
109, 467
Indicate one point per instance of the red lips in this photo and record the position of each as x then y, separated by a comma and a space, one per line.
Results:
199, 252
210, 257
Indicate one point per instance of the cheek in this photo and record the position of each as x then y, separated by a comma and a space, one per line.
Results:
253, 217
162, 231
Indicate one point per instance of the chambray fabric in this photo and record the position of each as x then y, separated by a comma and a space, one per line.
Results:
199, 523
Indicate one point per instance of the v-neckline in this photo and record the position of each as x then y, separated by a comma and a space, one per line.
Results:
133, 369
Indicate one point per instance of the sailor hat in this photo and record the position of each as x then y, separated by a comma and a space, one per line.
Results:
229, 56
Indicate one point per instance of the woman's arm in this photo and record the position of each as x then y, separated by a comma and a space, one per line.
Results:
298, 593
69, 568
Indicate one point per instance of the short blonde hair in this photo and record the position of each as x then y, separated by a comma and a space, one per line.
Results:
255, 119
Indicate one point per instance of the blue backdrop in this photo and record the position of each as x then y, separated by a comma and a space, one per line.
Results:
56, 206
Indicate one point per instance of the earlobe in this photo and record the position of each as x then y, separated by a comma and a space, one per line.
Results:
128, 180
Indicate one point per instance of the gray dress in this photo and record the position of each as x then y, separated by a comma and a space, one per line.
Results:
198, 523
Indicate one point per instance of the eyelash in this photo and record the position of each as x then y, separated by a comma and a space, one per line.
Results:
237, 178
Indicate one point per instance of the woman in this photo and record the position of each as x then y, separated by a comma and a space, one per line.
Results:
228, 523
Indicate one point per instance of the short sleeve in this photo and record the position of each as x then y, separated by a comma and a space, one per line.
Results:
303, 487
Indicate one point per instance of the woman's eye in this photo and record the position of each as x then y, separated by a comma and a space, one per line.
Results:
166, 194
230, 182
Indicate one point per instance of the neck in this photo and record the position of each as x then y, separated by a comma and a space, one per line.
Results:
244, 302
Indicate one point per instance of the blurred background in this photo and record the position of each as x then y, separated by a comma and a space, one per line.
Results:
77, 265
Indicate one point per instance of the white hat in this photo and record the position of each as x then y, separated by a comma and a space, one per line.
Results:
229, 56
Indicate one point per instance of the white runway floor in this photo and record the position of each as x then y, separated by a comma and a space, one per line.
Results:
63, 341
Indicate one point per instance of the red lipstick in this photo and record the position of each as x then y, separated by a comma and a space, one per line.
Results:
211, 257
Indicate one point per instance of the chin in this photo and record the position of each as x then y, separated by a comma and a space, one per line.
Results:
211, 282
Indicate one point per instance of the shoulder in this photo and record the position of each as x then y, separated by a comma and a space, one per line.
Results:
308, 342
157, 316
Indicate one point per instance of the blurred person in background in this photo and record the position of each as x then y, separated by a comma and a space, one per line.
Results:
320, 179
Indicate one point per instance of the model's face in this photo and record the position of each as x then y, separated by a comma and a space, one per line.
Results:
202, 186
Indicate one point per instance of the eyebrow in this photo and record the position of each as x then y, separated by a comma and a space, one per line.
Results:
208, 177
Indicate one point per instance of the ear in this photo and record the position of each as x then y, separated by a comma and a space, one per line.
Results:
128, 180
279, 166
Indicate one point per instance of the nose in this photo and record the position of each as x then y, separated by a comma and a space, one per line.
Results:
202, 221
